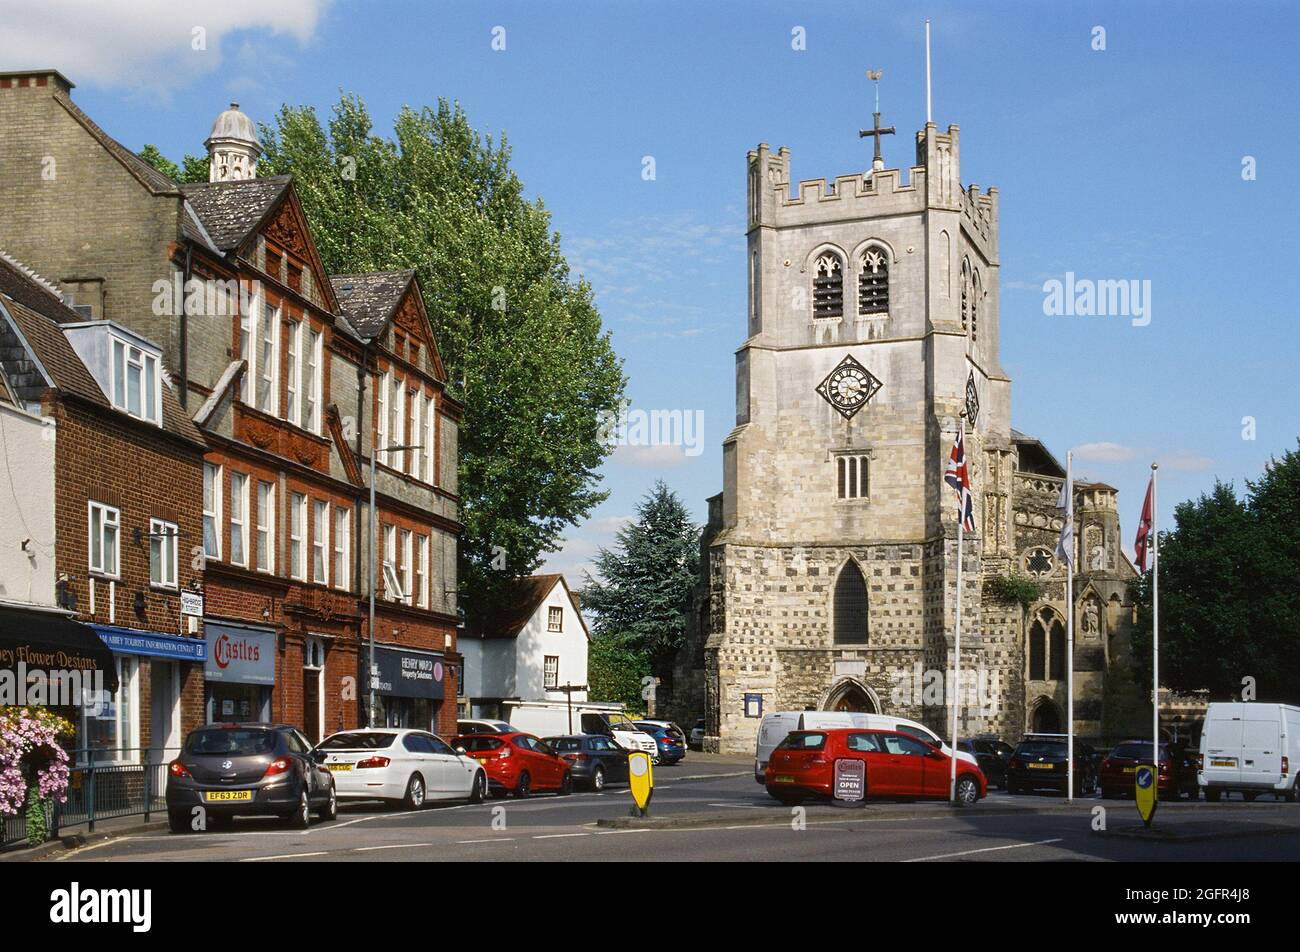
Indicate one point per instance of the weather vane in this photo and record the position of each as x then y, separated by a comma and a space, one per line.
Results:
877, 162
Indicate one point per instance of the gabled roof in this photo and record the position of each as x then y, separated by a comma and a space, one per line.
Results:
231, 211
1035, 457
369, 300
148, 176
38, 313
518, 605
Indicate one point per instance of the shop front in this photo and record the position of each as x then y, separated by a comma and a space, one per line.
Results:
240, 672
409, 687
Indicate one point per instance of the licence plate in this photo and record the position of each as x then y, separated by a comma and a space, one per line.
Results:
1130, 770
1041, 766
215, 796
1223, 763
783, 778
338, 768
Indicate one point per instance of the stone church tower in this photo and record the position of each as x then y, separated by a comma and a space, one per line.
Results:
830, 559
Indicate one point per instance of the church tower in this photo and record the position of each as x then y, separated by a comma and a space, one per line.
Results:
872, 327
233, 147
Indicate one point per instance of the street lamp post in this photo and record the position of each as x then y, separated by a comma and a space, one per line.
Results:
374, 542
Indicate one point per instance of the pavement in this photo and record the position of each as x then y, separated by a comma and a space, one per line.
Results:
709, 808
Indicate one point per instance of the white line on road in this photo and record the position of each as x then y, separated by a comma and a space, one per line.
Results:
987, 849
740, 806
495, 839
558, 836
394, 846
263, 859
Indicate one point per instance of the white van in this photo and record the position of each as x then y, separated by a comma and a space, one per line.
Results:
1250, 747
774, 728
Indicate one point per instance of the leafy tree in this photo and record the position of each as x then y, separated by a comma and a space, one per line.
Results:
644, 590
615, 671
1229, 591
193, 168
520, 337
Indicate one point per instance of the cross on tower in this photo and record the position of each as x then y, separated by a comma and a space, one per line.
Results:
877, 162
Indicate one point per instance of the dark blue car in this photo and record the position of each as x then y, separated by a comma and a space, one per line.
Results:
668, 738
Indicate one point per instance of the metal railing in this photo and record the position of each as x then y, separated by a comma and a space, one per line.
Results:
102, 785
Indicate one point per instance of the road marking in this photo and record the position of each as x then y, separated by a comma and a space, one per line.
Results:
558, 836
263, 859
740, 806
395, 846
611, 832
495, 839
987, 849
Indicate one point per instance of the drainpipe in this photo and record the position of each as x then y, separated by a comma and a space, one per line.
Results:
185, 328
362, 373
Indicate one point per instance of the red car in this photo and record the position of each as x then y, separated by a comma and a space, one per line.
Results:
517, 763
1177, 771
898, 766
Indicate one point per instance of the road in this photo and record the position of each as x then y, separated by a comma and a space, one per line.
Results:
739, 823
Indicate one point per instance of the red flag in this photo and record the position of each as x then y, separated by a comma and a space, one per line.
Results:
1143, 542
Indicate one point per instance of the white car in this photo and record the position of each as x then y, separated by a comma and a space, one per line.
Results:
1250, 748
622, 730
774, 728
403, 766
483, 727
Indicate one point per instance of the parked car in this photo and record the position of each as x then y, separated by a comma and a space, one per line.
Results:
1250, 748
668, 738
1177, 775
246, 770
484, 727
992, 756
1040, 762
518, 763
898, 766
773, 728
622, 730
594, 760
407, 767
697, 735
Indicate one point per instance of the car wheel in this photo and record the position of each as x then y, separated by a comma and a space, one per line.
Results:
968, 791
566, 784
300, 818
1249, 796
478, 792
1013, 788
598, 779
1212, 796
330, 811
523, 785
1194, 792
414, 793
178, 821
788, 797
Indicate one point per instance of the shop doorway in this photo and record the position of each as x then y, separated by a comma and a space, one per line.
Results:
313, 694
165, 710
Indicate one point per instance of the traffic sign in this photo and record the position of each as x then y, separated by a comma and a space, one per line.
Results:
1146, 792
641, 780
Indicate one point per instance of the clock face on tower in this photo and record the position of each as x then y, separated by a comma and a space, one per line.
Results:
848, 387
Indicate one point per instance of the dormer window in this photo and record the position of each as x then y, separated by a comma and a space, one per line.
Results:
137, 382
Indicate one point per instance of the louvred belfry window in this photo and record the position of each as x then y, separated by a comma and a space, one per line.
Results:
965, 295
873, 283
828, 286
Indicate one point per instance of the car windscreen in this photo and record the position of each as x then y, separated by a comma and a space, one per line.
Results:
803, 740
358, 740
564, 743
1137, 751
476, 744
1048, 748
237, 742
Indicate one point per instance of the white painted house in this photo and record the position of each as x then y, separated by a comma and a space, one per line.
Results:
525, 649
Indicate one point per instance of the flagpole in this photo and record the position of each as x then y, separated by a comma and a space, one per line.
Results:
1155, 628
1069, 632
928, 117
956, 654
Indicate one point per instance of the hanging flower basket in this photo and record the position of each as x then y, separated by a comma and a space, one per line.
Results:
33, 765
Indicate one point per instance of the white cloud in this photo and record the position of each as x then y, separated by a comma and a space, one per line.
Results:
663, 456
574, 559
1104, 452
140, 43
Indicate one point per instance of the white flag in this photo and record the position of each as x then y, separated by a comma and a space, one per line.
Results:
1065, 545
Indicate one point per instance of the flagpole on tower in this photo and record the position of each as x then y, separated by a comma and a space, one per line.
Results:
928, 117
956, 646
1155, 628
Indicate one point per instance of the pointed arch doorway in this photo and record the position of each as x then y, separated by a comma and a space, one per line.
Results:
851, 695
1046, 718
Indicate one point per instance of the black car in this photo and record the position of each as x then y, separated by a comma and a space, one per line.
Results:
594, 759
248, 770
992, 755
1040, 763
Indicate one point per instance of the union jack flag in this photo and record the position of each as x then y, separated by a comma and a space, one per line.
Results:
958, 477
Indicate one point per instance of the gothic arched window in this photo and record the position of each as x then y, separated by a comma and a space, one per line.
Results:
851, 606
1058, 651
1037, 651
873, 282
965, 294
828, 286
977, 292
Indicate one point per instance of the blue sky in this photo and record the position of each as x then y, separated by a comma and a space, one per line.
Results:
1122, 163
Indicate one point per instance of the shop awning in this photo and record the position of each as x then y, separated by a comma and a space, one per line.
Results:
53, 643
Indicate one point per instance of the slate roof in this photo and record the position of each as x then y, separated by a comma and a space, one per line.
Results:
368, 300
38, 313
507, 618
230, 211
